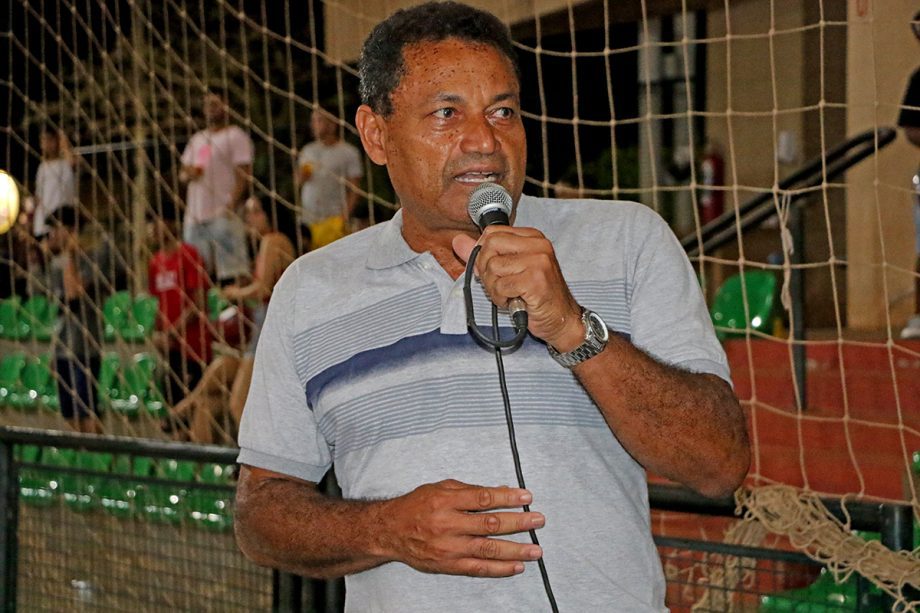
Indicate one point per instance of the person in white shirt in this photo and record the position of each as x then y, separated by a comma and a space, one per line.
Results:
329, 172
217, 165
55, 180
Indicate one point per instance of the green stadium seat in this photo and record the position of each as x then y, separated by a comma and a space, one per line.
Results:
10, 370
120, 494
138, 388
210, 508
108, 380
165, 503
115, 313
81, 492
154, 402
36, 385
37, 318
35, 484
9, 317
727, 309
141, 320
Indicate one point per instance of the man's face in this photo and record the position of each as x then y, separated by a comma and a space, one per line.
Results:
49, 145
322, 127
58, 238
215, 111
455, 124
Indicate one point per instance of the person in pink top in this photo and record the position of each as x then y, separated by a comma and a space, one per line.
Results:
217, 166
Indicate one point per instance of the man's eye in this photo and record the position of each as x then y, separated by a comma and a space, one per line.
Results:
504, 112
445, 113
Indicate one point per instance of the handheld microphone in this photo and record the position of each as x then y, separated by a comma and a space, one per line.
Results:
490, 205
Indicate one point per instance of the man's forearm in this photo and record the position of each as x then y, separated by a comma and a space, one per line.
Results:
300, 530
685, 426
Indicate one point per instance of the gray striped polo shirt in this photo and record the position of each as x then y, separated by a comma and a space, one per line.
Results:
365, 362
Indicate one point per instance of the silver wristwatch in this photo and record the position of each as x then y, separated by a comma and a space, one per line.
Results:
596, 337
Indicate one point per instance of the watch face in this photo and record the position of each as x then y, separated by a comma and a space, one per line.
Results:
598, 327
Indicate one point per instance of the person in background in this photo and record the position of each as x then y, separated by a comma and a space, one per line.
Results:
329, 173
909, 121
79, 281
268, 225
55, 179
217, 166
177, 277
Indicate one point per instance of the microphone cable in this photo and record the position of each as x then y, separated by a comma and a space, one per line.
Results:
519, 320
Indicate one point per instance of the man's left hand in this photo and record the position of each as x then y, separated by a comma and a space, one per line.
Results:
520, 262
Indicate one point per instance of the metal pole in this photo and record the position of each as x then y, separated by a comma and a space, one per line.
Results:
9, 520
897, 532
287, 592
797, 288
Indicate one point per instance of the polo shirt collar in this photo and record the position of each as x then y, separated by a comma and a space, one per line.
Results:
390, 248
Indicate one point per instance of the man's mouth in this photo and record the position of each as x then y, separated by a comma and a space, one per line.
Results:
476, 177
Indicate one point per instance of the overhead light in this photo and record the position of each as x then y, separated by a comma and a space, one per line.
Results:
9, 202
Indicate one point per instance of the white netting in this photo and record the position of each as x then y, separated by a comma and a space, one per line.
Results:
690, 108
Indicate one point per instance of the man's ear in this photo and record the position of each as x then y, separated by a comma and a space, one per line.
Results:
373, 132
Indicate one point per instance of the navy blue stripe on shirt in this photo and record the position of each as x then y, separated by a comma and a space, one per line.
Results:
441, 398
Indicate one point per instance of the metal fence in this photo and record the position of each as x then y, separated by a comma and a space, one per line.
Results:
123, 524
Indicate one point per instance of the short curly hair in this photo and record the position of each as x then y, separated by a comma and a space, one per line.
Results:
381, 65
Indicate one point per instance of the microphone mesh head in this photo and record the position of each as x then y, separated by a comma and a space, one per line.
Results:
488, 197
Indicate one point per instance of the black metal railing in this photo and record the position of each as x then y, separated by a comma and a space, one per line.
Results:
145, 525
798, 186
795, 190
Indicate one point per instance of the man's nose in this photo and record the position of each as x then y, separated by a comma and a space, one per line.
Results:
479, 136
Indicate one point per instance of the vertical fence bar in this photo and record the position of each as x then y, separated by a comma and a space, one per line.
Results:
897, 532
9, 521
797, 288
287, 592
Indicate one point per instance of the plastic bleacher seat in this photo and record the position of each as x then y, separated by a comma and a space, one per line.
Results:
134, 387
37, 318
120, 494
108, 381
36, 386
35, 483
210, 509
154, 403
166, 502
10, 370
115, 313
81, 492
9, 317
728, 312
141, 320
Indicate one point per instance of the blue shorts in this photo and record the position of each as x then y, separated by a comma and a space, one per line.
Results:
77, 387
221, 242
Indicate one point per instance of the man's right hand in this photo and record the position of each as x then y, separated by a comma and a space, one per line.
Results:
449, 527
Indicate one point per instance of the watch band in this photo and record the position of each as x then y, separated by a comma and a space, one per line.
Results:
596, 337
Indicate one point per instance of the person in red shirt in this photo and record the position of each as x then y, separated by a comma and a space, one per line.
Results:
178, 278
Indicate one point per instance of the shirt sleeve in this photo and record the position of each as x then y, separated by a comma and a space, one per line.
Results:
910, 106
278, 431
355, 167
242, 148
669, 317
